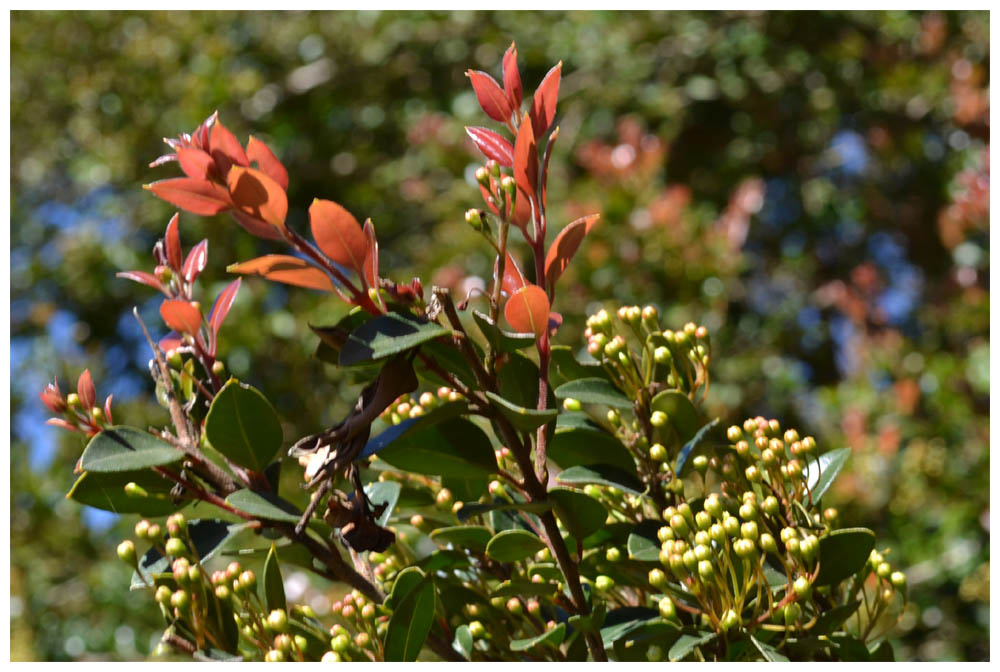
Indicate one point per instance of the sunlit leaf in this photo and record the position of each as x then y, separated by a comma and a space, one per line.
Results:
491, 97
225, 148
338, 234
513, 545
223, 302
195, 162
199, 197
287, 269
242, 425
512, 78
85, 389
565, 246
172, 241
181, 315
492, 145
257, 195
543, 105
267, 162
527, 310
195, 261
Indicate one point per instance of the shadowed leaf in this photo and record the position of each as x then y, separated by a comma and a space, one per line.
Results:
287, 269
565, 246
267, 162
338, 234
257, 195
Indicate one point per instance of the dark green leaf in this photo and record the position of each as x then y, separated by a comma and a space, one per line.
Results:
439, 414
207, 535
264, 505
683, 417
465, 489
119, 449
448, 358
412, 616
687, 643
522, 588
472, 537
594, 391
685, 453
851, 649
602, 474
642, 549
823, 470
243, 426
505, 341
568, 367
771, 654
619, 622
475, 509
634, 647
214, 655
883, 653
524, 419
107, 491
554, 637
288, 553
383, 492
830, 621
456, 448
518, 379
513, 545
387, 335
842, 553
463, 641
580, 514
272, 584
587, 445
443, 559
220, 621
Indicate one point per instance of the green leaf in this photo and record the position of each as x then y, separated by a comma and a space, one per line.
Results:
882, 653
602, 474
823, 470
683, 416
456, 448
587, 444
771, 654
466, 489
288, 553
472, 537
106, 491
580, 514
685, 452
505, 341
568, 367
524, 419
383, 492
633, 648
387, 335
220, 620
476, 508
842, 553
214, 655
522, 588
208, 535
619, 622
444, 412
463, 641
554, 637
243, 426
518, 379
687, 643
449, 358
412, 615
829, 621
642, 549
272, 584
594, 391
851, 649
442, 560
264, 505
513, 545
119, 449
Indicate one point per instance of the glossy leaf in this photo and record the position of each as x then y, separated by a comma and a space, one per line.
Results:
513, 278
681, 412
199, 197
144, 278
568, 367
264, 505
195, 261
642, 549
272, 584
602, 474
386, 335
338, 234
565, 246
106, 491
513, 545
687, 643
413, 604
287, 269
471, 537
196, 163
492, 145
553, 637
369, 272
383, 492
491, 97
223, 302
525, 419
127, 449
594, 391
527, 310
506, 341
208, 537
588, 444
824, 470
242, 425
267, 162
412, 425
85, 390
618, 623
688, 448
476, 508
770, 654
455, 447
512, 78
842, 553
256, 227
257, 195
543, 105
526, 161
172, 242
225, 148
463, 641
830, 621
580, 514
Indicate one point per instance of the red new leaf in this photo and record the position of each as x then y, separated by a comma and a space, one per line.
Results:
491, 97
107, 409
223, 302
527, 310
225, 149
173, 244
338, 234
543, 106
370, 274
171, 341
256, 227
492, 145
195, 262
512, 78
526, 159
513, 278
181, 316
267, 162
257, 195
85, 389
199, 197
195, 162
147, 279
565, 246
287, 269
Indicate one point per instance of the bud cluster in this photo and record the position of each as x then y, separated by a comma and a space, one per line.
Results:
78, 411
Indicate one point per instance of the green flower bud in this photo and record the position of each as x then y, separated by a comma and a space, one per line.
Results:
793, 546
180, 600
163, 595
477, 629
126, 553
717, 533
831, 515
277, 620
792, 613
483, 176
748, 530
748, 511
340, 643
770, 505
665, 534
154, 532
274, 656
248, 580
667, 608
614, 419
705, 570
613, 554
768, 544
508, 185
571, 404
883, 570
680, 525
444, 499
753, 473
176, 524
176, 547
700, 463
729, 620
194, 574
603, 583
331, 657
362, 639
661, 355
898, 579
690, 561
702, 552
514, 606
223, 593
657, 578
657, 453
368, 611
802, 587
677, 565
658, 419
283, 643
731, 525
73, 400
703, 520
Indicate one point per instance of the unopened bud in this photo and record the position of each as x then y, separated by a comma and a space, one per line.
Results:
571, 404
176, 547
135, 490
126, 552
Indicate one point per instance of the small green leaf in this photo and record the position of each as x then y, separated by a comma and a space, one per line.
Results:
568, 367
106, 491
771, 654
513, 545
524, 419
383, 492
455, 448
272, 584
602, 474
505, 341
242, 425
554, 637
642, 549
587, 444
522, 588
119, 449
208, 537
387, 335
683, 416
594, 391
264, 505
472, 537
580, 514
220, 621
619, 622
463, 641
823, 470
829, 621
412, 615
687, 643
842, 553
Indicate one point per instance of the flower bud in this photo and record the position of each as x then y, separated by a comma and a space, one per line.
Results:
277, 620
509, 185
657, 578
731, 525
700, 463
222, 592
667, 608
883, 570
571, 404
514, 606
180, 600
163, 595
768, 544
680, 525
705, 570
613, 554
248, 580
176, 547
770, 505
339, 643
665, 534
176, 524
802, 587
126, 553
658, 419
749, 530
898, 580
274, 656
729, 620
477, 629
603, 583
657, 453
703, 520
792, 613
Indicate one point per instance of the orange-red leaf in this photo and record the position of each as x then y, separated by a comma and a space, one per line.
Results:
512, 78
256, 227
181, 316
338, 234
527, 310
287, 269
526, 159
492, 145
513, 278
173, 244
267, 162
370, 274
195, 262
195, 162
257, 195
543, 105
85, 389
491, 97
223, 302
225, 149
565, 246
145, 278
171, 341
200, 197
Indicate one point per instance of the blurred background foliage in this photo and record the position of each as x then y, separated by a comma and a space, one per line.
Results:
813, 187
